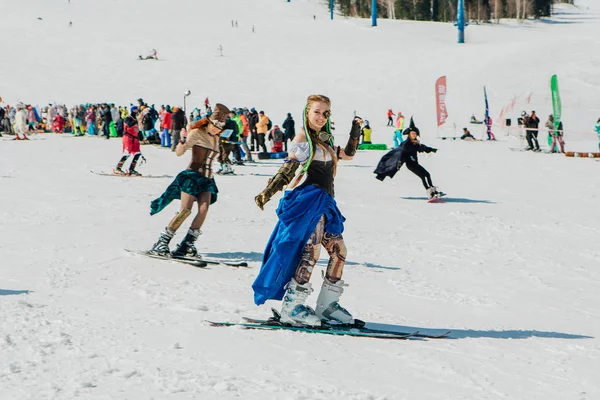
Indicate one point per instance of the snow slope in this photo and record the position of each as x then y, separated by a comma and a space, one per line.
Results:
509, 262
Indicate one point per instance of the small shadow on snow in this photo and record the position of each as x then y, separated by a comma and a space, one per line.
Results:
452, 200
246, 256
6, 292
324, 262
470, 333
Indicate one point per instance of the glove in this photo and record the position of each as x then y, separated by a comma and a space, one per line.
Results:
355, 130
283, 177
353, 140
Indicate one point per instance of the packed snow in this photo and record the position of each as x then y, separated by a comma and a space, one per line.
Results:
508, 262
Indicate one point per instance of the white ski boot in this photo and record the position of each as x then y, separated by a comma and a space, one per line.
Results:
294, 310
432, 192
328, 306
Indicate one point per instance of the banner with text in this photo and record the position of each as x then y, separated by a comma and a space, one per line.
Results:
440, 99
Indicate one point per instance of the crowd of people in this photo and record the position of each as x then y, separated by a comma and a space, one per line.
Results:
250, 129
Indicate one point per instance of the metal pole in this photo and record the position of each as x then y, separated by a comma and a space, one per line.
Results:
331, 8
460, 20
185, 95
374, 13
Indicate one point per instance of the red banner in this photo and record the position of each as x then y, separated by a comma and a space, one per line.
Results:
440, 99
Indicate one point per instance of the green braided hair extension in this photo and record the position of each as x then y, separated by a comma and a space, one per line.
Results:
327, 128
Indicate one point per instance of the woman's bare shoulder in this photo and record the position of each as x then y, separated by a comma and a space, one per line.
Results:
300, 137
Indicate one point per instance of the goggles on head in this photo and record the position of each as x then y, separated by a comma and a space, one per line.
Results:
324, 137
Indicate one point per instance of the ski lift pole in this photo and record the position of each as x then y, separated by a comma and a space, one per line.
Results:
374, 13
460, 20
331, 9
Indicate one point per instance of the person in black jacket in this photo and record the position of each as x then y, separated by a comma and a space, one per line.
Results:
252, 121
407, 153
532, 123
106, 118
289, 127
178, 123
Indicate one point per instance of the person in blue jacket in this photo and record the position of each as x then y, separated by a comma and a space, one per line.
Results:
308, 218
407, 154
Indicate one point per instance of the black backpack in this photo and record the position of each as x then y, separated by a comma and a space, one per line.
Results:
269, 124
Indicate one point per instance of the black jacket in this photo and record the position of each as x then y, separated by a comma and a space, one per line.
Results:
393, 160
106, 114
231, 124
178, 119
253, 120
147, 123
289, 125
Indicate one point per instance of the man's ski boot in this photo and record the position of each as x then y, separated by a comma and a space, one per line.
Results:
133, 172
119, 171
294, 311
187, 249
161, 247
328, 306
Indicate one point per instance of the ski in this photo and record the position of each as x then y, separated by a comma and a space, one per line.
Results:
195, 263
357, 325
436, 198
129, 176
215, 261
325, 330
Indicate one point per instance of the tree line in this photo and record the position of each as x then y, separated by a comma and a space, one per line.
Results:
445, 10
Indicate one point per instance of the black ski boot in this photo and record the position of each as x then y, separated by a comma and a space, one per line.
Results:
161, 248
187, 249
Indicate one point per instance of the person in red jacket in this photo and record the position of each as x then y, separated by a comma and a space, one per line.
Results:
58, 124
390, 115
131, 144
167, 121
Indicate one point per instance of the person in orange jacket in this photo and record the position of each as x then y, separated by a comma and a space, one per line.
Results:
262, 127
244, 135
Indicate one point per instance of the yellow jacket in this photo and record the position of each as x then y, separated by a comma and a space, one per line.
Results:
262, 125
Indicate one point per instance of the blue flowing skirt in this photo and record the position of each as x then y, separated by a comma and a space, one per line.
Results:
299, 213
188, 181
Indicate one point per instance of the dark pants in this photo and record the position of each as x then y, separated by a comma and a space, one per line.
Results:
261, 142
175, 136
105, 129
421, 172
253, 141
532, 140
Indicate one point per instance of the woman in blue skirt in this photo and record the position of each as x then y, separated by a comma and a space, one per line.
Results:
308, 219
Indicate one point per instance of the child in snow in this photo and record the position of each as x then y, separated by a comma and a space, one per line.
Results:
276, 135
366, 133
131, 144
399, 128
467, 135
406, 153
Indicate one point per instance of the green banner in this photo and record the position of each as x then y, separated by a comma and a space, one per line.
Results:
556, 104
